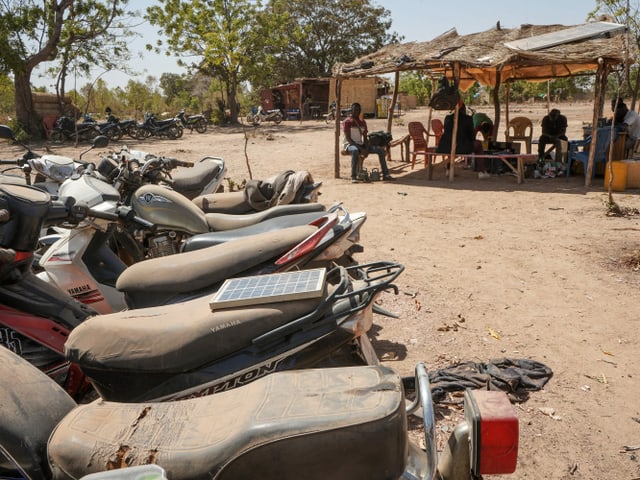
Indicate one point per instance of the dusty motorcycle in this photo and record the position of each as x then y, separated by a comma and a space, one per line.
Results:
152, 127
127, 170
37, 316
66, 129
110, 128
193, 122
258, 115
46, 171
341, 423
288, 187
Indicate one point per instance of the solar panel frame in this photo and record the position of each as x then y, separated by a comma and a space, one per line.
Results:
269, 288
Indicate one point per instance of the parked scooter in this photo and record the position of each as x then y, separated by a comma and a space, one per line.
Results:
152, 127
66, 129
340, 423
46, 171
193, 122
258, 115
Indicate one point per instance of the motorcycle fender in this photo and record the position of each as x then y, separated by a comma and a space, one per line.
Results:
360, 322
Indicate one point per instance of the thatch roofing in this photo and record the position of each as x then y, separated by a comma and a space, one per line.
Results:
485, 55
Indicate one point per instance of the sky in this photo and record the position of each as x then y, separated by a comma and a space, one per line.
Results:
416, 20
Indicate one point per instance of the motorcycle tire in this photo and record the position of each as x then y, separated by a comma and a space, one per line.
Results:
132, 131
114, 133
142, 133
180, 131
89, 135
174, 132
277, 119
331, 116
57, 136
201, 126
252, 120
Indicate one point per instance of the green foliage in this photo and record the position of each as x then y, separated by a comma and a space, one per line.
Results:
418, 84
7, 95
19, 131
320, 33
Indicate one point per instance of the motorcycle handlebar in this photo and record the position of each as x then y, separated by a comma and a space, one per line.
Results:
67, 209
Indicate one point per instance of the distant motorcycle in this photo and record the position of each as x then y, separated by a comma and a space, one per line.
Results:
111, 128
257, 116
331, 116
66, 129
152, 127
193, 122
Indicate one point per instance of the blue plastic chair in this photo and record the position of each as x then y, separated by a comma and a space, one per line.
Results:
601, 154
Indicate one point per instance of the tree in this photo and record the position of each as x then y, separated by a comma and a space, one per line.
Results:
321, 33
33, 32
221, 36
626, 13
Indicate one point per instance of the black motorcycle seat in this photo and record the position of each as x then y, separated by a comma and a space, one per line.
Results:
223, 202
175, 338
210, 239
191, 181
225, 221
191, 271
337, 423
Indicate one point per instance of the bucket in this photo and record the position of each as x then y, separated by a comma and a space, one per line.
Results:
633, 173
619, 183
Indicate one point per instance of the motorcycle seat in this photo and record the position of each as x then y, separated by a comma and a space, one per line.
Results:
315, 424
210, 239
190, 181
225, 221
174, 338
192, 271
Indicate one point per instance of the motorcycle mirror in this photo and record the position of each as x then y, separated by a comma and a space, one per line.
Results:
100, 141
6, 133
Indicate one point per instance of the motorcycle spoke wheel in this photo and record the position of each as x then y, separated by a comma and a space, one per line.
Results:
142, 133
201, 126
277, 119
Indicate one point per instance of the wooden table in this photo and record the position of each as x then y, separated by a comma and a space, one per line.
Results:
505, 157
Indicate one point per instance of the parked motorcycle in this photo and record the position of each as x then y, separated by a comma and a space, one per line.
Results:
152, 127
193, 122
331, 115
287, 187
36, 316
46, 171
128, 169
340, 423
110, 128
66, 129
258, 115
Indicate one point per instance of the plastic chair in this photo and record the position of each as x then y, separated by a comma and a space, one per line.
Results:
522, 129
601, 153
437, 129
418, 135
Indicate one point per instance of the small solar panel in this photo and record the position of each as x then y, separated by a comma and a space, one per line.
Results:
269, 288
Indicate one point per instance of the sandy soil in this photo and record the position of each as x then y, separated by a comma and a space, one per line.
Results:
493, 269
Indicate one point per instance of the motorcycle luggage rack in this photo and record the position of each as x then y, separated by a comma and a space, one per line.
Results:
377, 276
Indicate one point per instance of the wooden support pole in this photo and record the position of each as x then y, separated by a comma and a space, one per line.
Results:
336, 163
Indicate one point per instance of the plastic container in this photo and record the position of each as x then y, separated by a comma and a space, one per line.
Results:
141, 472
633, 173
619, 183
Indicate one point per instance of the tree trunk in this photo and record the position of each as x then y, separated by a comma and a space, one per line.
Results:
25, 112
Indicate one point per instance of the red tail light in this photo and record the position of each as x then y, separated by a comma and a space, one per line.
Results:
493, 432
309, 243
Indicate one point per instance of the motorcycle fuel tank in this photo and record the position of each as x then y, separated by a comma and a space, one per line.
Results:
168, 209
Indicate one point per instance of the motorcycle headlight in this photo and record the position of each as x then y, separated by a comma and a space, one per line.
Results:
54, 170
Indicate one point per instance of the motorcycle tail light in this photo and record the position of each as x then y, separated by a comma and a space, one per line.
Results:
325, 224
493, 432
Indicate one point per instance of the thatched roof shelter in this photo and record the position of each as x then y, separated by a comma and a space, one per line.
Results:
501, 55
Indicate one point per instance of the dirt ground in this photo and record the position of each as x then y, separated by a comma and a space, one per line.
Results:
493, 269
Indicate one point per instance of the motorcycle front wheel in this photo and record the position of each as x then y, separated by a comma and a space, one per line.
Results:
114, 133
201, 126
174, 132
142, 133
277, 119
331, 116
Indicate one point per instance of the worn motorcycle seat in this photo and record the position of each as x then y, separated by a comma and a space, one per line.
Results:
339, 423
32, 404
223, 202
190, 181
175, 338
205, 240
225, 221
192, 271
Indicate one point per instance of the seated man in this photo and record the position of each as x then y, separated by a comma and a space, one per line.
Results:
554, 128
627, 119
356, 143
465, 139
